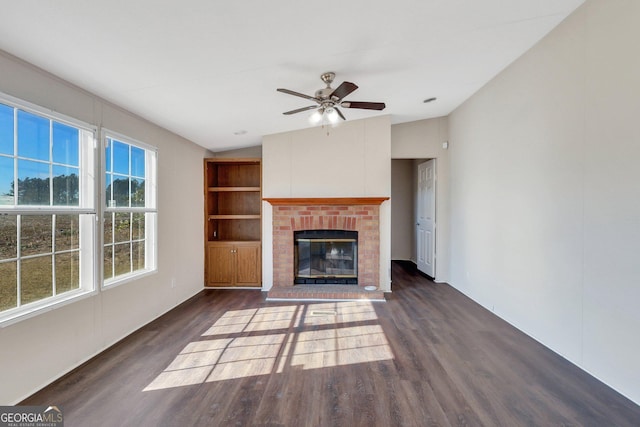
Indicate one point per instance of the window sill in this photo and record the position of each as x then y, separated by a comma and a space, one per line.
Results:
121, 280
39, 307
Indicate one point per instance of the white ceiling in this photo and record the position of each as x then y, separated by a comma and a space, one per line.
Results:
206, 69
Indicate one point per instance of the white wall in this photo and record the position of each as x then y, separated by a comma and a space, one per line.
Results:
350, 160
545, 200
423, 139
35, 351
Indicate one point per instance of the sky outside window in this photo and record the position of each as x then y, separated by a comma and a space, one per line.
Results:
6, 129
33, 136
65, 144
137, 162
120, 158
6, 147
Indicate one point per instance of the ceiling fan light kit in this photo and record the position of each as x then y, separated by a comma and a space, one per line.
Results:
329, 100
330, 114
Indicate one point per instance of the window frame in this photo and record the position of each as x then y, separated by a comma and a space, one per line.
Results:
86, 210
150, 210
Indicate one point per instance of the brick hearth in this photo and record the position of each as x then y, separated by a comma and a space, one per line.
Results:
355, 214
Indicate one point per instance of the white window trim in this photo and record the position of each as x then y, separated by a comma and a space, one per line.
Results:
46, 112
151, 197
88, 167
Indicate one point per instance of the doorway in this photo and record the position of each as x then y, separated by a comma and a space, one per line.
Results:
409, 242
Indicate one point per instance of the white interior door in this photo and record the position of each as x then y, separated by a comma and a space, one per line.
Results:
426, 212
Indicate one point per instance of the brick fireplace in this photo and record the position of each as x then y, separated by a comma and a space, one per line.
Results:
355, 214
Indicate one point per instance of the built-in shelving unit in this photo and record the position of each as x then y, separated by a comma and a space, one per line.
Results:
233, 212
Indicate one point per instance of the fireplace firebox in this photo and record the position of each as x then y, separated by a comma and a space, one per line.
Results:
326, 257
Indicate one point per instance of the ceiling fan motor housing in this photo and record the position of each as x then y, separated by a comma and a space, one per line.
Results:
324, 93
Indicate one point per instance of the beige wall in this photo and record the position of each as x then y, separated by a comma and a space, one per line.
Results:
423, 140
402, 210
545, 211
35, 351
255, 151
350, 160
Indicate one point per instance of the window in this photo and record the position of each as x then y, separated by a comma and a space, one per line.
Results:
130, 208
47, 208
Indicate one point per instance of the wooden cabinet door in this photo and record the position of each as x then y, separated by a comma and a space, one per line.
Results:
248, 264
220, 264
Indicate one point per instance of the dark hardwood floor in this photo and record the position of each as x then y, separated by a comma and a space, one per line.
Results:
428, 356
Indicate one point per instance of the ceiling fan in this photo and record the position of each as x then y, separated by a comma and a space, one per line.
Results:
328, 99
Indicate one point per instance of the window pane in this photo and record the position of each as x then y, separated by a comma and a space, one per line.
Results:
6, 129
137, 192
120, 189
138, 255
125, 232
67, 232
122, 227
35, 234
33, 183
65, 186
108, 228
107, 155
122, 259
6, 181
36, 279
8, 285
137, 162
8, 237
120, 158
108, 180
33, 136
66, 142
137, 226
108, 262
67, 272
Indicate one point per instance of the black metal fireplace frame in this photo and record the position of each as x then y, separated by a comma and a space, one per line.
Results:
338, 235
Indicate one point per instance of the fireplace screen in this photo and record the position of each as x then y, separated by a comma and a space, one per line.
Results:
326, 256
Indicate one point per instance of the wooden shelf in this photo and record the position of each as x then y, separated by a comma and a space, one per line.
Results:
225, 189
234, 217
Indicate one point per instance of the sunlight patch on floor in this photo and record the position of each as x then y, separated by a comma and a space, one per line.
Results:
340, 346
273, 339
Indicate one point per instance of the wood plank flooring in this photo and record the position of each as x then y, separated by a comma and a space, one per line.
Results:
427, 356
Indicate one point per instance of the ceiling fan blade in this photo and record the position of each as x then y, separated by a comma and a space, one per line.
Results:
339, 113
365, 105
301, 95
300, 110
343, 90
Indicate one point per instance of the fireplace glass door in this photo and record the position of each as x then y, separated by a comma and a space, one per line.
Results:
326, 256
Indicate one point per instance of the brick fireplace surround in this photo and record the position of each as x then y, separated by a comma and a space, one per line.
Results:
360, 214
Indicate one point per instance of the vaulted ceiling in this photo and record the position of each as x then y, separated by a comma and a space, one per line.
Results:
208, 69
